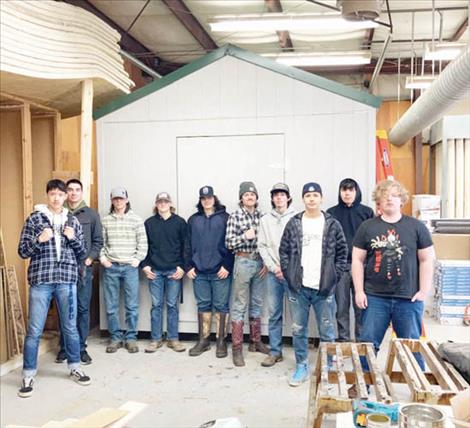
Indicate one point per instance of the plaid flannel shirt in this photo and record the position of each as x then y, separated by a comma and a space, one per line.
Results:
44, 267
238, 223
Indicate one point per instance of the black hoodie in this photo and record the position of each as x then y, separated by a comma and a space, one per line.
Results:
350, 217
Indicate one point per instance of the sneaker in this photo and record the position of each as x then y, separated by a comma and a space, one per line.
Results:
61, 357
132, 347
85, 358
113, 347
26, 389
300, 375
270, 360
176, 345
81, 378
153, 346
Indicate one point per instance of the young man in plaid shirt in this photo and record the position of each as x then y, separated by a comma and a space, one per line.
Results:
52, 238
248, 272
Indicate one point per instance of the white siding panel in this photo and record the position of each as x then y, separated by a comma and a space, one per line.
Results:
284, 87
303, 98
138, 111
158, 104
265, 93
323, 101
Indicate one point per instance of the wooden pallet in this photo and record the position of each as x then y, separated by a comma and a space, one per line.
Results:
435, 387
324, 399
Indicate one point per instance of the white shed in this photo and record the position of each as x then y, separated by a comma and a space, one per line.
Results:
228, 117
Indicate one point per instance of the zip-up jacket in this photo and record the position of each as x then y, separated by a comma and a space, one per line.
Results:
46, 267
269, 236
92, 230
334, 254
207, 241
168, 243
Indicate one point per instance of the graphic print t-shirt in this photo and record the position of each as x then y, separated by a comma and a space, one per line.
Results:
392, 268
312, 236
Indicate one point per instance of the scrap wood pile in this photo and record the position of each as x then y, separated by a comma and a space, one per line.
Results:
11, 313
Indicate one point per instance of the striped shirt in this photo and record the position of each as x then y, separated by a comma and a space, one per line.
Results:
124, 238
238, 223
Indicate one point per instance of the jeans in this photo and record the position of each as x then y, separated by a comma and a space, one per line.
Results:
112, 277
344, 295
84, 291
276, 288
211, 292
406, 318
157, 288
247, 288
324, 307
40, 297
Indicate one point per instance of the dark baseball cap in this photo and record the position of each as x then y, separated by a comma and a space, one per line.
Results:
206, 192
311, 187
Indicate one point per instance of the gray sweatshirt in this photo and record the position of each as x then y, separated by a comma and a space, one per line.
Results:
269, 236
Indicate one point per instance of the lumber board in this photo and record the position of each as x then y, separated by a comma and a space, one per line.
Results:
133, 408
99, 419
444, 380
360, 381
458, 379
409, 374
17, 310
342, 388
376, 374
324, 369
313, 390
86, 138
3, 254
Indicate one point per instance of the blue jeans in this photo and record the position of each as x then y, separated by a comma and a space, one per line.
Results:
247, 288
276, 289
112, 277
157, 288
40, 297
211, 292
324, 307
84, 291
406, 318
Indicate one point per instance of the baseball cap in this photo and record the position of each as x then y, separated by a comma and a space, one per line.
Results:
119, 192
311, 187
206, 191
280, 187
163, 196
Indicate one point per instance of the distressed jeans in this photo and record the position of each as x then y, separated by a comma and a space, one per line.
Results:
112, 278
276, 288
40, 296
406, 317
323, 306
212, 293
158, 286
247, 288
84, 291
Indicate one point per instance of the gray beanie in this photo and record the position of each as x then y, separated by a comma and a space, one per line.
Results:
247, 186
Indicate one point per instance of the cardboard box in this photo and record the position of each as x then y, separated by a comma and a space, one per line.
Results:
450, 246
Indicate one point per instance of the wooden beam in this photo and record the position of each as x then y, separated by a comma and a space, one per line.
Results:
459, 33
274, 6
26, 101
86, 138
185, 16
418, 152
57, 141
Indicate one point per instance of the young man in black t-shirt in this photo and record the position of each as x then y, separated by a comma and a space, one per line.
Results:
392, 268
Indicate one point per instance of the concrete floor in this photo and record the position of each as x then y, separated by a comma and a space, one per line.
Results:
181, 391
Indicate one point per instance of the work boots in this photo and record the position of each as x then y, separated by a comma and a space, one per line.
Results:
255, 337
221, 323
203, 344
237, 343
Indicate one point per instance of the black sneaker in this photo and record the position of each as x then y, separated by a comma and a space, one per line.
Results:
85, 358
61, 357
26, 389
81, 378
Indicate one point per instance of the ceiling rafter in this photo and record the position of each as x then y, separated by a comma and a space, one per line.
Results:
274, 6
185, 16
459, 33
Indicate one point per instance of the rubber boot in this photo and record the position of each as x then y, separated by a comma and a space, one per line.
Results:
255, 337
203, 344
237, 343
221, 322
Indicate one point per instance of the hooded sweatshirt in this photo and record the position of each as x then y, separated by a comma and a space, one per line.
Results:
269, 236
351, 217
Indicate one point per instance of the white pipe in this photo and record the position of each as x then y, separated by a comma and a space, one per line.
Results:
452, 85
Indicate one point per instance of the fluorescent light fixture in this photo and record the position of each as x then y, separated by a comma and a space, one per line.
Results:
286, 22
419, 82
321, 58
443, 51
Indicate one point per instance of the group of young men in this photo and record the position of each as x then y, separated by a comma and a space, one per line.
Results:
237, 263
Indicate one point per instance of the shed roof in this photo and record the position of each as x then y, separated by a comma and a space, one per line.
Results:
230, 50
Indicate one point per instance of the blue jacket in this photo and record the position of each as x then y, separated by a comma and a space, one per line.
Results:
207, 241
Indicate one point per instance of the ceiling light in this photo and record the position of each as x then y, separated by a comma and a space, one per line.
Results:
419, 82
443, 51
322, 58
286, 22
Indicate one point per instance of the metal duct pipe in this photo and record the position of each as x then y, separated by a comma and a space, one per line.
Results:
452, 85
